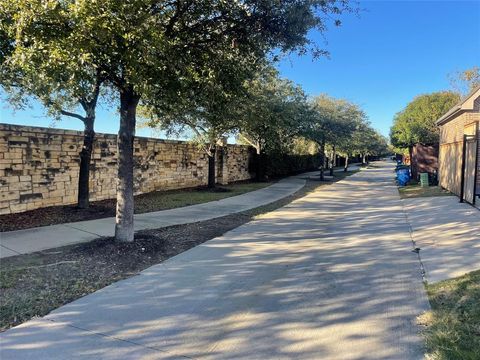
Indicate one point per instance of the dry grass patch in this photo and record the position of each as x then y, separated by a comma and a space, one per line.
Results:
453, 325
415, 190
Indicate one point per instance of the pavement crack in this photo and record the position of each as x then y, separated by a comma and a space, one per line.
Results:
85, 231
120, 339
415, 249
6, 247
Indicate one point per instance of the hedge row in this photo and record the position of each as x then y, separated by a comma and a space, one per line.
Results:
277, 165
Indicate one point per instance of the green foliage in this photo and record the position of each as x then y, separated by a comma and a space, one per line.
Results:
393, 149
205, 119
367, 141
174, 44
37, 59
271, 112
6, 38
342, 125
280, 164
417, 122
303, 146
166, 52
332, 120
265, 112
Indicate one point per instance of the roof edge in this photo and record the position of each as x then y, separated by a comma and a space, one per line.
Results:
457, 108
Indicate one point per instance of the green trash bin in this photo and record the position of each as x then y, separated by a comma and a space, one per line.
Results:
424, 180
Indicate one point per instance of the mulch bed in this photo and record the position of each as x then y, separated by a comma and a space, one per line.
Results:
56, 215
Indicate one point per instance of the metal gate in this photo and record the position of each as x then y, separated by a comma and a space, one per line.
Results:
469, 168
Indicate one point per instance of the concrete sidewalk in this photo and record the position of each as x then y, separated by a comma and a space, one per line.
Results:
47, 237
448, 234
329, 276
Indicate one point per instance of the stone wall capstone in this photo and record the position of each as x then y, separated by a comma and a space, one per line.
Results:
39, 166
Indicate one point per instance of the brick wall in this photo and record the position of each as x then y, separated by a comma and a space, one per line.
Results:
424, 159
39, 166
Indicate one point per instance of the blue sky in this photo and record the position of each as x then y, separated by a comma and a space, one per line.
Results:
392, 52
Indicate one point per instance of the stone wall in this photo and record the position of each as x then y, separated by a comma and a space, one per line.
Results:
39, 166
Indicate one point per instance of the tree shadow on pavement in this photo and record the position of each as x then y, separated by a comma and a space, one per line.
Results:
329, 276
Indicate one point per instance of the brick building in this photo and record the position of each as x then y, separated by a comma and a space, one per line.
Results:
459, 163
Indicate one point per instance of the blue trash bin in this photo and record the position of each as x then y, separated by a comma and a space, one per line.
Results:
403, 176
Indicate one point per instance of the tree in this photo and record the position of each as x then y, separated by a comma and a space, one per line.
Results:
416, 124
270, 114
466, 81
42, 67
331, 121
349, 115
7, 40
207, 115
353, 144
303, 146
381, 146
27, 75
366, 141
371, 143
362, 141
153, 50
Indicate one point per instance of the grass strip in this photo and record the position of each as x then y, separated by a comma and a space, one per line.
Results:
453, 324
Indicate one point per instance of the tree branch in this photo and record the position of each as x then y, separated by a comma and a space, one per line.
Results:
247, 140
195, 130
68, 113
255, 143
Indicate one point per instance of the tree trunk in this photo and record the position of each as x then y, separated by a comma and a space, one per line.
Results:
332, 160
211, 168
260, 164
345, 169
322, 161
364, 159
85, 158
125, 205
